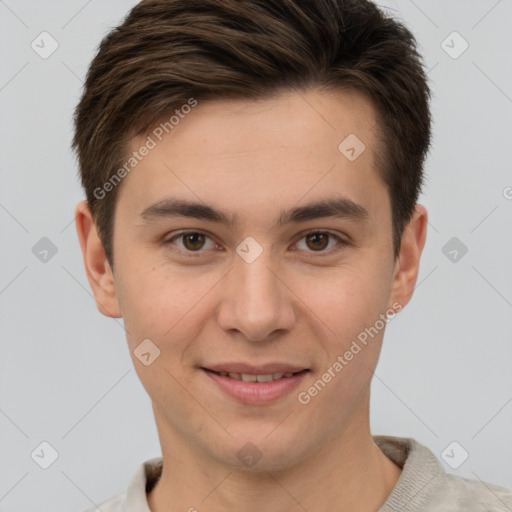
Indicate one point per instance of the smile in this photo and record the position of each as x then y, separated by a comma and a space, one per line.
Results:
255, 388
247, 377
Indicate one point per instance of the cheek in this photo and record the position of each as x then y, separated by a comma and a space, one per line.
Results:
351, 299
162, 305
165, 308
350, 304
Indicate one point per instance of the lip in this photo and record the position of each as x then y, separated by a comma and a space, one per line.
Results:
257, 393
249, 369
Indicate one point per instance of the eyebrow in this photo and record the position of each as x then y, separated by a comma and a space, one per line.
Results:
337, 207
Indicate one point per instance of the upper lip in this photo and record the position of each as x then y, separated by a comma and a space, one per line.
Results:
249, 369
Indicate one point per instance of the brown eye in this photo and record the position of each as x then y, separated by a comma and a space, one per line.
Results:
317, 241
322, 242
190, 242
193, 241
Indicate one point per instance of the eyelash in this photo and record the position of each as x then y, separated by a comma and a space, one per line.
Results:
195, 254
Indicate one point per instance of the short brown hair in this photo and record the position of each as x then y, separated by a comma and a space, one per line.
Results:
168, 51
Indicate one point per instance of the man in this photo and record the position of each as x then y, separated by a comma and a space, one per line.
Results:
252, 170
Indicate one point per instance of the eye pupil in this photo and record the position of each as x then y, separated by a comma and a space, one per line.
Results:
315, 237
194, 237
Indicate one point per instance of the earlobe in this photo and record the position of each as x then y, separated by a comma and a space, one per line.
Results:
408, 260
97, 268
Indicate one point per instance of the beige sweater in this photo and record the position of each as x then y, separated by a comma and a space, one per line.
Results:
422, 486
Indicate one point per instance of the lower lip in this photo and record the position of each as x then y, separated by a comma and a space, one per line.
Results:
256, 393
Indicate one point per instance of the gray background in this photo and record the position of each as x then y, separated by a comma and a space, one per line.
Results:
66, 375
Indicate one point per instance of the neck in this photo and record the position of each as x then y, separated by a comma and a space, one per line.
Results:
347, 473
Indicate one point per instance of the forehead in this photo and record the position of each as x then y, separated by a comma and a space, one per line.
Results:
293, 115
295, 144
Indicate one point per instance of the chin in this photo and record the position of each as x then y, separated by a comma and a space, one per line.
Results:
262, 453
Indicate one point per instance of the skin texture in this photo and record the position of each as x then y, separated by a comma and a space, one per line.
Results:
301, 301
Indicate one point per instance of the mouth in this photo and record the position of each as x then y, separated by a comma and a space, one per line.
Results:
250, 377
255, 386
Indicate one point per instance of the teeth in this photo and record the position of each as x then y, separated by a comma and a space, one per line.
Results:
256, 378
264, 378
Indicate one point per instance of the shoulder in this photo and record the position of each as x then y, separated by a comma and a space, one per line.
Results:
470, 494
425, 485
135, 498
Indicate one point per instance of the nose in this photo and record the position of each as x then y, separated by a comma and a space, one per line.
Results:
256, 300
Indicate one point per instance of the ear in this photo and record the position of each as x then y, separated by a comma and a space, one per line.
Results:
97, 268
408, 261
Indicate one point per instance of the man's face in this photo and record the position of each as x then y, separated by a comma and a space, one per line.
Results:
261, 292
